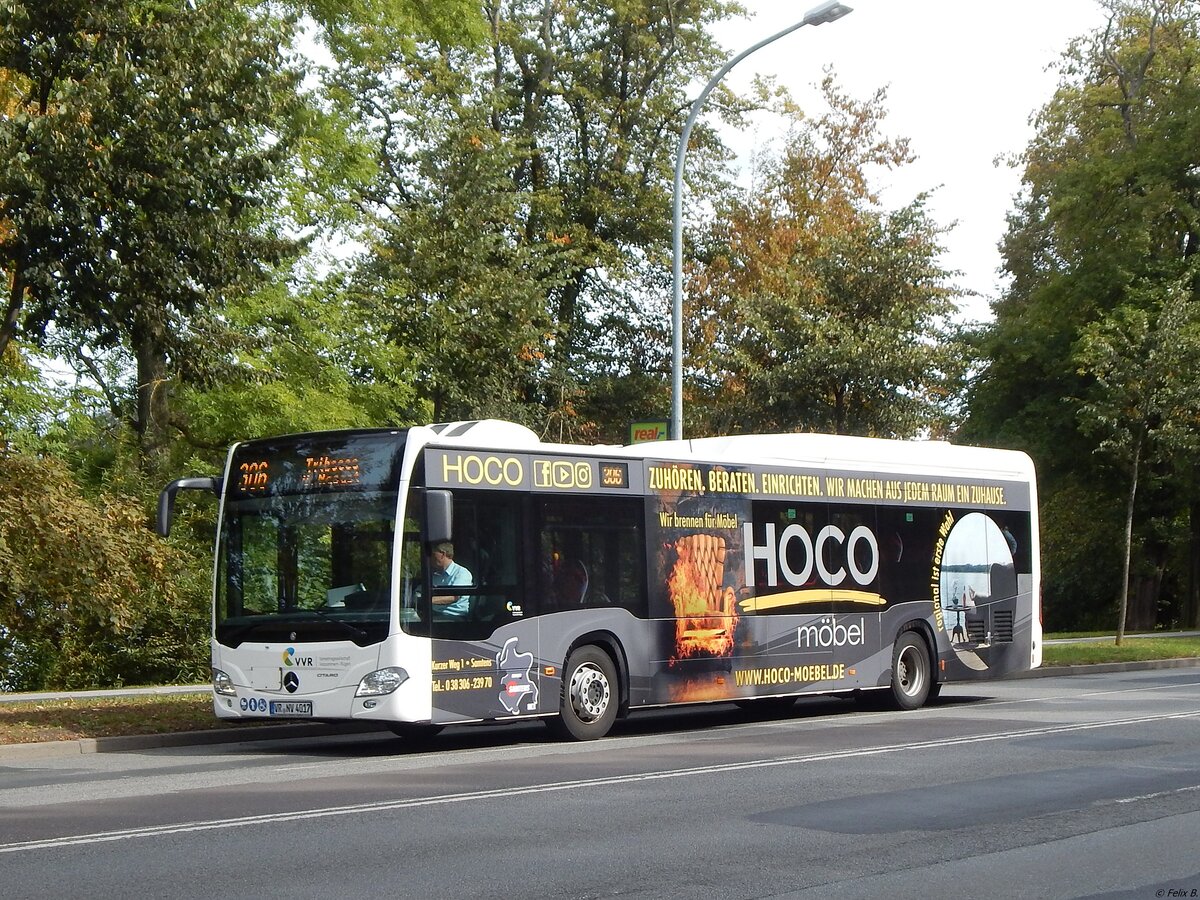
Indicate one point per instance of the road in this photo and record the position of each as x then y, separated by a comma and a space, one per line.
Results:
1055, 787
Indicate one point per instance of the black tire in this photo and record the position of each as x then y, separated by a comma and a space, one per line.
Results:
912, 676
414, 731
590, 696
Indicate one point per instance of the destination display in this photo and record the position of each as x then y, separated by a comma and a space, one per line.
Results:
349, 461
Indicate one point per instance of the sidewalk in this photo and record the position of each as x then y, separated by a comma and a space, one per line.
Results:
242, 735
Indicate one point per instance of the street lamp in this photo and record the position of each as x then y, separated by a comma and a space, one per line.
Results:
830, 11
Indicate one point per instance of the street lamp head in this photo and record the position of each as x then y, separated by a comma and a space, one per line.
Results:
826, 12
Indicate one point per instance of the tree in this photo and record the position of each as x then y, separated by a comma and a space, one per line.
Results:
816, 308
139, 173
1145, 402
570, 114
450, 281
302, 359
162, 167
1107, 218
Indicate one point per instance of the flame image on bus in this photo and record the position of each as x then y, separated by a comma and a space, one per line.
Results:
579, 584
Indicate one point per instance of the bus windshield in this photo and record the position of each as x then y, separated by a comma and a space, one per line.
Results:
306, 542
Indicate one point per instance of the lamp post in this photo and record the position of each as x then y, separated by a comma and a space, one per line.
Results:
830, 11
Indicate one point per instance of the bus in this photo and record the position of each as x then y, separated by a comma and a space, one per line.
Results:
468, 572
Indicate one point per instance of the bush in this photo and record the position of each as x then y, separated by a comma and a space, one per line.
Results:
89, 597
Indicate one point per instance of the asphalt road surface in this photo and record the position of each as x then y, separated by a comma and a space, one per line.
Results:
1057, 787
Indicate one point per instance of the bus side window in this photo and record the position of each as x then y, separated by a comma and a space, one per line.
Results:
591, 553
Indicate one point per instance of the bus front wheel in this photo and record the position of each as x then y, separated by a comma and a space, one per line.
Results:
912, 677
588, 705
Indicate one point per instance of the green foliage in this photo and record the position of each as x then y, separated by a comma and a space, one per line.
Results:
139, 172
1145, 402
597, 98
1144, 362
158, 159
518, 183
23, 396
362, 30
451, 286
302, 361
86, 598
1081, 519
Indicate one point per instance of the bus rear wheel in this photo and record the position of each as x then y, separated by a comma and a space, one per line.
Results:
912, 678
588, 704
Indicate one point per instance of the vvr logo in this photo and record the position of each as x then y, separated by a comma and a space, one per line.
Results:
290, 659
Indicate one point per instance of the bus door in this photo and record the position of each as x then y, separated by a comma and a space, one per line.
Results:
485, 637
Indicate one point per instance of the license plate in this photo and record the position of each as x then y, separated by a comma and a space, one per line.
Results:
291, 707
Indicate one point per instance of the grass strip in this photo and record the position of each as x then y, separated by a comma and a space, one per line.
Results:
1136, 650
67, 720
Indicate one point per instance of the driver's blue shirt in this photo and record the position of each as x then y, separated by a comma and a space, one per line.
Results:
454, 575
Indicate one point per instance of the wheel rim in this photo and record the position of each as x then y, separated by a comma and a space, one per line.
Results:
590, 692
910, 673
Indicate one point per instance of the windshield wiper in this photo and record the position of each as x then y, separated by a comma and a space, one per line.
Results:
238, 633
323, 616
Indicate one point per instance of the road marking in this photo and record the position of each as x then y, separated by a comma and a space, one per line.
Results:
1079, 696
1157, 794
1136, 690
610, 781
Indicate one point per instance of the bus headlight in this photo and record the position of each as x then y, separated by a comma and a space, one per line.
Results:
381, 681
223, 684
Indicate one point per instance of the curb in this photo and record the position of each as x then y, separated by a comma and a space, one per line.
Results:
253, 733
1185, 662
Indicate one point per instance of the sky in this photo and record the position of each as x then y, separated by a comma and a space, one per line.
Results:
964, 79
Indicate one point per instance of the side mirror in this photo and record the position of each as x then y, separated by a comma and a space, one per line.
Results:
439, 516
166, 500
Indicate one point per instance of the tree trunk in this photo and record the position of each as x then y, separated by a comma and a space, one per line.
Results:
153, 405
1123, 600
16, 299
566, 334
1191, 606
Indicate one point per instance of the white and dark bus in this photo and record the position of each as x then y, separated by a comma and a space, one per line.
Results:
589, 582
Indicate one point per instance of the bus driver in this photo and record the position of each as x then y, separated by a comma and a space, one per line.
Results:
447, 572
